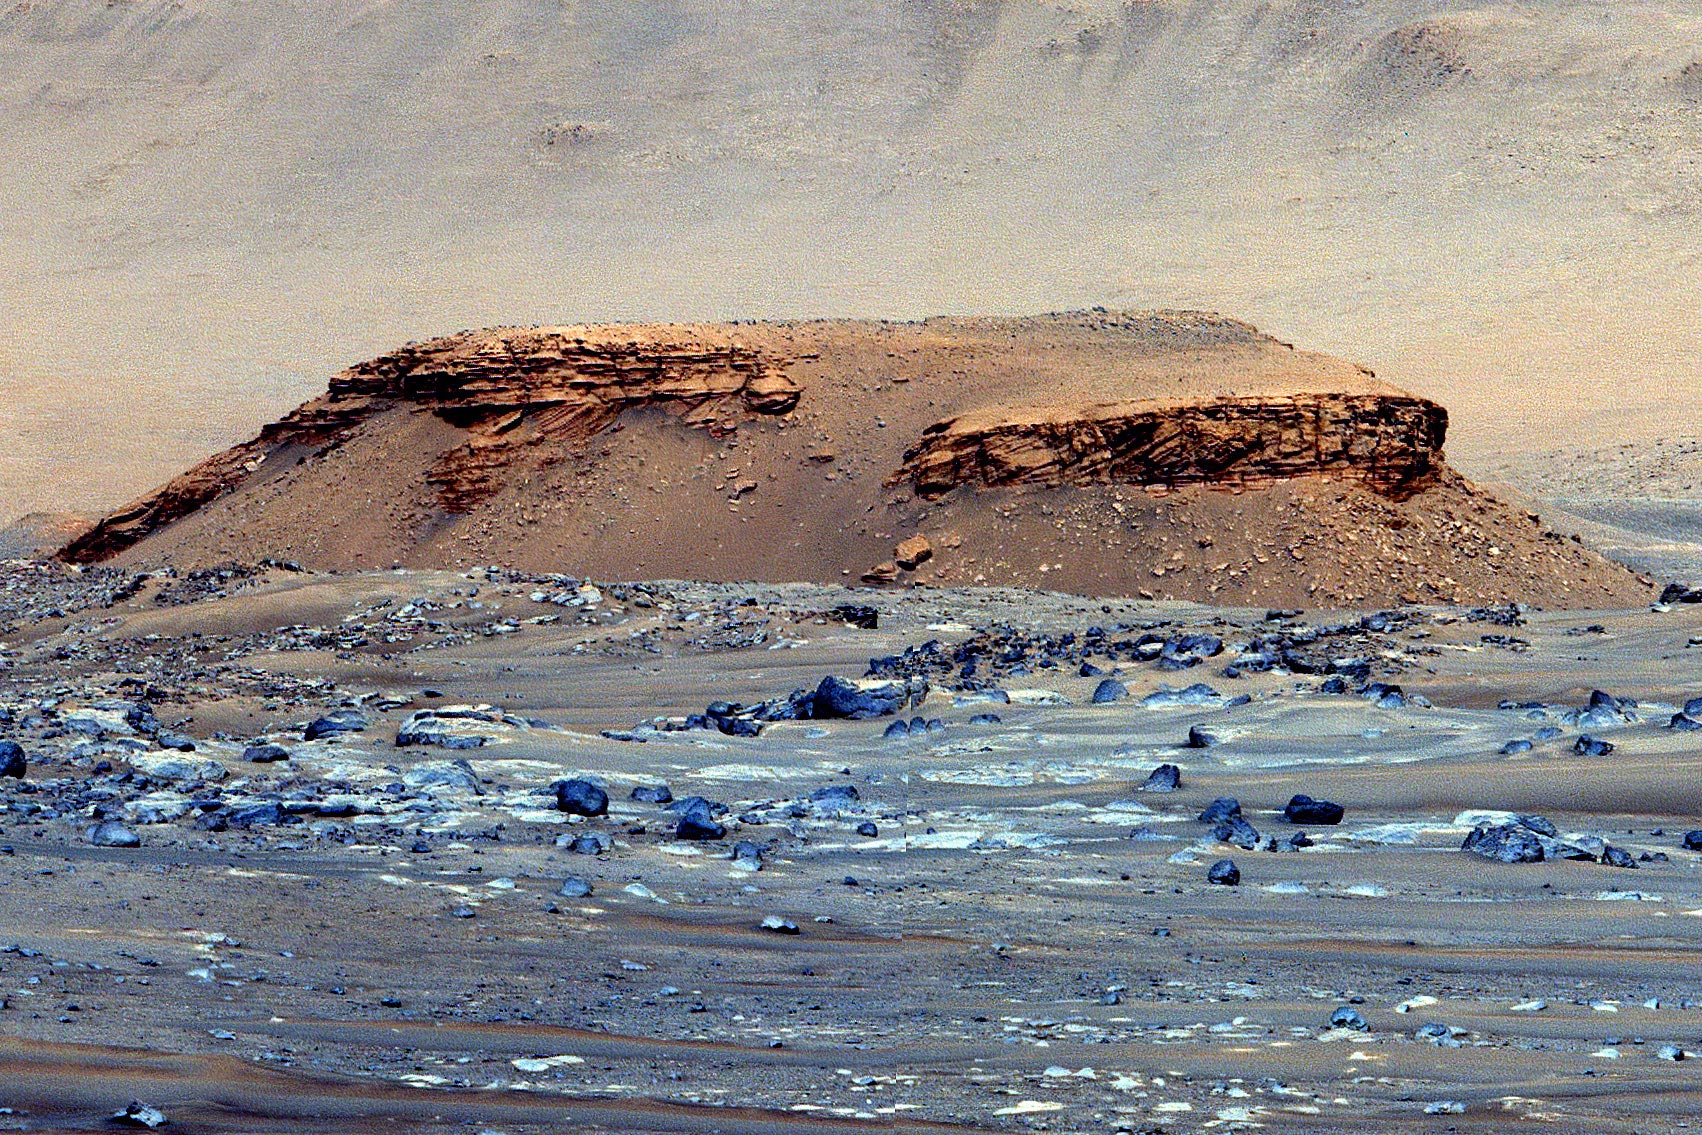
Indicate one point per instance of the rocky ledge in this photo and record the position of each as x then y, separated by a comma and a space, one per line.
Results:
1390, 442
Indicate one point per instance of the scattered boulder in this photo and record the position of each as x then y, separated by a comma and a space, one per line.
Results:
868, 829
579, 797
336, 723
857, 615
1238, 831
574, 887
886, 572
1504, 843
110, 833
1224, 873
1198, 738
265, 753
1223, 808
841, 698
653, 794
1693, 840
1109, 690
698, 822
1302, 809
1681, 593
1346, 1018
1589, 746
912, 552
779, 924
1616, 857
13, 762
1164, 778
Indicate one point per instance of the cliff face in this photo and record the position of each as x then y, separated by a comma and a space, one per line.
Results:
1391, 443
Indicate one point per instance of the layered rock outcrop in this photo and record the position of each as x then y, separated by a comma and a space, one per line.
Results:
568, 383
1389, 442
994, 450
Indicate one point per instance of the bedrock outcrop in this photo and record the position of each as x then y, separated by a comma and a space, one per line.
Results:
1389, 442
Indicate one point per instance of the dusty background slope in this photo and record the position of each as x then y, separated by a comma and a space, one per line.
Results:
212, 205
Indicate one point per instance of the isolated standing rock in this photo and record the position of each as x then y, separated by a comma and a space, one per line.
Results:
13, 763
912, 552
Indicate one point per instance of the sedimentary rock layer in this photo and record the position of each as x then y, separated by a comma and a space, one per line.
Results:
1392, 443
576, 381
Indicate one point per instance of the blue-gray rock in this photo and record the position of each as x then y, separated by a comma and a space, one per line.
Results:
1164, 778
1302, 809
867, 828
1197, 694
335, 723
1684, 723
1693, 840
579, 797
837, 697
698, 823
1615, 857
13, 762
1517, 745
1198, 738
1589, 746
1505, 843
653, 794
110, 833
985, 719
1238, 831
898, 728
1109, 690
1223, 808
265, 753
574, 887
1224, 873
1346, 1018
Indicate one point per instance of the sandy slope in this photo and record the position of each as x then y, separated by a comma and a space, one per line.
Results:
211, 204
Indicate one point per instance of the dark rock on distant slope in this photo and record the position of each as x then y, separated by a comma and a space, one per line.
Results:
1681, 593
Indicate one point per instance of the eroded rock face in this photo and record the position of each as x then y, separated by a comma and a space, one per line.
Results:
505, 387
1390, 442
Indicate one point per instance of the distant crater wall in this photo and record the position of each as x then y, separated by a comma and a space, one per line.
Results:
1391, 443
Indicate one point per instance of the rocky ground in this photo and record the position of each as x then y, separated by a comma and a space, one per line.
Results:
285, 851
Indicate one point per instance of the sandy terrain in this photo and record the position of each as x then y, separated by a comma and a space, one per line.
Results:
1026, 940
